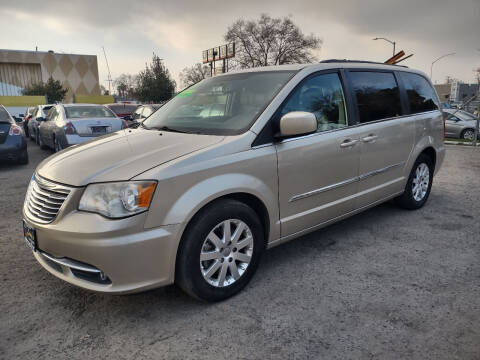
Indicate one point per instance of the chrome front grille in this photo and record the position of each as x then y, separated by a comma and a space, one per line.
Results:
44, 199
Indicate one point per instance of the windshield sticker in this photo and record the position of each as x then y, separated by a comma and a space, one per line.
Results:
187, 92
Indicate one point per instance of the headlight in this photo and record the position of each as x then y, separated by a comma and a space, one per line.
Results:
117, 200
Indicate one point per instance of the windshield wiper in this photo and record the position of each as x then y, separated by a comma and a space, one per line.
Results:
166, 128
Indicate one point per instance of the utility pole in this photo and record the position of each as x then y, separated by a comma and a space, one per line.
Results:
437, 59
109, 79
475, 137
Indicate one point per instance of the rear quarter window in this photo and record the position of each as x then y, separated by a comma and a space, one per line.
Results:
420, 94
4, 117
377, 95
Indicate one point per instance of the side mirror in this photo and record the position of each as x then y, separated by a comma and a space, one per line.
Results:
21, 115
40, 119
18, 119
128, 118
297, 123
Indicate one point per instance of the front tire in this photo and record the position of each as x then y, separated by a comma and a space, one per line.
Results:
418, 185
220, 251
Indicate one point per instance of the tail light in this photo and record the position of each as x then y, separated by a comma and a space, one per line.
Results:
15, 130
70, 129
124, 124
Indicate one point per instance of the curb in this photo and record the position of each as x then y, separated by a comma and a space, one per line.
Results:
459, 143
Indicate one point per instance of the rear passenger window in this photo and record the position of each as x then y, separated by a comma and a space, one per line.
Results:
421, 96
377, 94
321, 95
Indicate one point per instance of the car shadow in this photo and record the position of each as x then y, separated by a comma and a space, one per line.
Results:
171, 299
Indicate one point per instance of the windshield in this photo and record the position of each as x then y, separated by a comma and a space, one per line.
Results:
79, 112
465, 115
223, 105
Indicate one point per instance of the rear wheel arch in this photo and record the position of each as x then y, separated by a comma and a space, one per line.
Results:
431, 153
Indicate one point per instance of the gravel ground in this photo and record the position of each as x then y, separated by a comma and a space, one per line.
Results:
385, 284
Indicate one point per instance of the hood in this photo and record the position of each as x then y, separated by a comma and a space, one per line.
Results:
120, 156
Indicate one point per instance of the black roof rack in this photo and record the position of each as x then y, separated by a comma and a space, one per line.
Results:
357, 61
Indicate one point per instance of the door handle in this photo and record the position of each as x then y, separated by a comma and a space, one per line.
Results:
348, 143
370, 138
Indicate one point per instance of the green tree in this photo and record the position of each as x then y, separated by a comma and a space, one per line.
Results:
52, 89
155, 83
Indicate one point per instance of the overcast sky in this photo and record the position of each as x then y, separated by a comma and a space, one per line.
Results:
179, 30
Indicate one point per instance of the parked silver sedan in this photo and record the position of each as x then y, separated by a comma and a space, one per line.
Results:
70, 124
459, 124
39, 114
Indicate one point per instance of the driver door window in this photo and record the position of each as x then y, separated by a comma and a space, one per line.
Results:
323, 96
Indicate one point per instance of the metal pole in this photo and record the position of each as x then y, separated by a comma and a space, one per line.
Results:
475, 138
434, 61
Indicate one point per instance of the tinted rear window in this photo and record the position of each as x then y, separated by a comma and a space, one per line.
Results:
421, 96
377, 93
123, 109
4, 117
78, 112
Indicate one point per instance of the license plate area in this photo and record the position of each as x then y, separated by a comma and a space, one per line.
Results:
99, 130
30, 236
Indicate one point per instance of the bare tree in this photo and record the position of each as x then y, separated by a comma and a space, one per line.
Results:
193, 74
125, 85
271, 41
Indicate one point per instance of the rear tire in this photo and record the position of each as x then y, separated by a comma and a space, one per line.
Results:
232, 263
418, 185
42, 145
23, 158
468, 134
57, 146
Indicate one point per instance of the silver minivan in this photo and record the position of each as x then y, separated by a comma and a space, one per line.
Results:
231, 166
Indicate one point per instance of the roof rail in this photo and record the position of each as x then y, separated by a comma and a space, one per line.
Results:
357, 61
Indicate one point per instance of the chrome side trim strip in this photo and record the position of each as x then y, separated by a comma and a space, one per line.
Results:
345, 182
70, 263
323, 189
379, 171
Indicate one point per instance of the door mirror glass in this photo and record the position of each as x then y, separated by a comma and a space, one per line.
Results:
297, 123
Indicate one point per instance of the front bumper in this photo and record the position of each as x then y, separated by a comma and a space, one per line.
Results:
109, 256
77, 139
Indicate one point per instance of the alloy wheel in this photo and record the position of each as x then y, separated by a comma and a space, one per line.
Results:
468, 135
226, 253
420, 182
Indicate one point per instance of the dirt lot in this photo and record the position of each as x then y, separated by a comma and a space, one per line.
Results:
385, 284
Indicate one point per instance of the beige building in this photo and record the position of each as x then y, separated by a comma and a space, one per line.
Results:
77, 73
